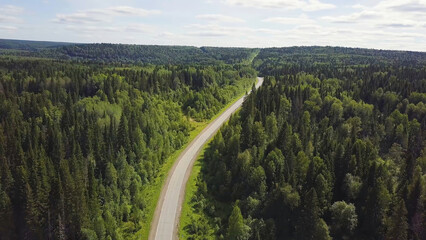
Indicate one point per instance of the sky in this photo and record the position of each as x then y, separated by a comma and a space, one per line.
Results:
379, 24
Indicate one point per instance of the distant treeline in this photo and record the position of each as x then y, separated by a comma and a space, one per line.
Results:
264, 59
127, 53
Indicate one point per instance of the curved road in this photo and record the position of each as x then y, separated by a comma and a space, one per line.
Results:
167, 212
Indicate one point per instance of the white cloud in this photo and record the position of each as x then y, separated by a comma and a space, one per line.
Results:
398, 25
128, 29
219, 18
389, 13
91, 29
390, 24
11, 10
8, 28
352, 18
308, 5
214, 30
358, 6
302, 19
10, 17
305, 31
126, 11
316, 5
406, 5
10, 14
166, 35
103, 15
79, 17
141, 28
209, 30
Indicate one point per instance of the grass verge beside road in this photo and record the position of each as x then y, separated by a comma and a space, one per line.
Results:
152, 191
188, 215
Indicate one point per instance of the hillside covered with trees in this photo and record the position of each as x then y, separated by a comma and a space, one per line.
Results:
332, 146
128, 53
80, 142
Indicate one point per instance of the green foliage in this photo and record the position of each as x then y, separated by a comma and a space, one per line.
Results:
344, 219
29, 45
334, 137
398, 225
329, 146
130, 54
79, 143
310, 225
237, 230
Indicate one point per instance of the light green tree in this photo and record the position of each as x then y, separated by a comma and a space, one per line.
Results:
344, 219
237, 230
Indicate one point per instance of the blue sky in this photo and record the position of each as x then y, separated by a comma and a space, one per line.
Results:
380, 24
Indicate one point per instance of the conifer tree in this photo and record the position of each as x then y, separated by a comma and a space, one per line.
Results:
237, 230
397, 224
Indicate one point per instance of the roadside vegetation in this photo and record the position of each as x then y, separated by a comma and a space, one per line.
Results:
85, 148
332, 146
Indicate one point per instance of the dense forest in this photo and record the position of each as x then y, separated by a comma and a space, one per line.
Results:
332, 146
127, 53
25, 45
78, 142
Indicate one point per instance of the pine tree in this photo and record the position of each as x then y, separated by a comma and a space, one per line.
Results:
123, 134
397, 224
310, 226
271, 127
375, 200
237, 230
6, 217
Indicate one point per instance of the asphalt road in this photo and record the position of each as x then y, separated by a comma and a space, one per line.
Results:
167, 213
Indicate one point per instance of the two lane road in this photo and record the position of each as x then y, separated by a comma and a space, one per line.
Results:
167, 213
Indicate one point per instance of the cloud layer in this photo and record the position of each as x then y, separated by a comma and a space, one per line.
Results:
382, 24
10, 17
220, 18
103, 15
309, 5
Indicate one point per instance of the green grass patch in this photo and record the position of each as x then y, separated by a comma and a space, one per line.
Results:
188, 214
152, 191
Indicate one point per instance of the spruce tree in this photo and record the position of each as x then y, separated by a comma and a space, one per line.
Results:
397, 224
237, 230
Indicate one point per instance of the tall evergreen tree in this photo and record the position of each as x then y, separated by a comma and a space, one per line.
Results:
237, 230
397, 224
